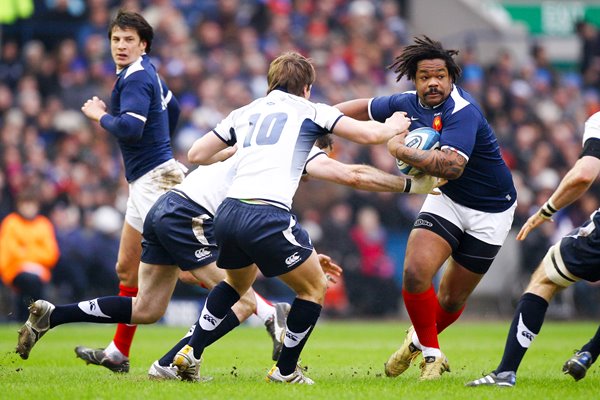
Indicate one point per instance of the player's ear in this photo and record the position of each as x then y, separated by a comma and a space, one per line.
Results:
307, 89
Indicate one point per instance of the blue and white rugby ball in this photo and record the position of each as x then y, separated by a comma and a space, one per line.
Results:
424, 138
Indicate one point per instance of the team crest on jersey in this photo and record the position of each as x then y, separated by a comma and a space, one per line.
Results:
437, 123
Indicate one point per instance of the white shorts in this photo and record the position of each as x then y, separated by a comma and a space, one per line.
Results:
491, 228
144, 191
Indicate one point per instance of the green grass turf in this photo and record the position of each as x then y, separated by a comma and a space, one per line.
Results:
345, 359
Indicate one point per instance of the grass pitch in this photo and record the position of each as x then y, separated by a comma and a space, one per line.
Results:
345, 359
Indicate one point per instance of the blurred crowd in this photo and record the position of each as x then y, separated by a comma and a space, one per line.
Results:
214, 56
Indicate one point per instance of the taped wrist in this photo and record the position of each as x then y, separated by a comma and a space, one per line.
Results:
548, 210
407, 185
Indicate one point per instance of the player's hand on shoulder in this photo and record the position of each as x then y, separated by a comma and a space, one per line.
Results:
398, 121
426, 184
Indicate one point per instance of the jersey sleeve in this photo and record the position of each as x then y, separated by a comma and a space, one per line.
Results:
314, 153
326, 116
460, 131
592, 128
382, 107
136, 95
225, 130
591, 137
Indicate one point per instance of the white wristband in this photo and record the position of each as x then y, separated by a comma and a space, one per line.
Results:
548, 210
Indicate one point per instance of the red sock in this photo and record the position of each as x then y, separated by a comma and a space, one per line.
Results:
444, 318
421, 309
124, 334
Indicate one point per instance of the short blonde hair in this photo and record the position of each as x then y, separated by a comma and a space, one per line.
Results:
291, 72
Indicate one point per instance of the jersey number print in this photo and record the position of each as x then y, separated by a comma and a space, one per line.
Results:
269, 131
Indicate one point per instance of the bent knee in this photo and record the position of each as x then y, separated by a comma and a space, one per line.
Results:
452, 302
127, 273
415, 279
316, 290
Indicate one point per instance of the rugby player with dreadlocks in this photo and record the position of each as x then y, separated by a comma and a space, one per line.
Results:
468, 223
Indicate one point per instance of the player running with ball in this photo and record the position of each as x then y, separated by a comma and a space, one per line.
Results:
468, 223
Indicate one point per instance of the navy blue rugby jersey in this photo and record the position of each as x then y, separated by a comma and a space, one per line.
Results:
140, 109
486, 183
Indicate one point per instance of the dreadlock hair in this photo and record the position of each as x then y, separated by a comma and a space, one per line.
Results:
424, 49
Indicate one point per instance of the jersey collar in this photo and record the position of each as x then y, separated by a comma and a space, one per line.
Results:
119, 70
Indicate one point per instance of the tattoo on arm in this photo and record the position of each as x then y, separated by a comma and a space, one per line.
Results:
444, 163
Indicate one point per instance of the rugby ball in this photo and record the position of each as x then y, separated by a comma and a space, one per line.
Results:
424, 138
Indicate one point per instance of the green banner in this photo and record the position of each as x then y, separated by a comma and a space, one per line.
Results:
553, 17
10, 10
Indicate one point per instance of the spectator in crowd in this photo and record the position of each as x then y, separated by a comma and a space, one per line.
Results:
589, 61
337, 242
28, 252
372, 289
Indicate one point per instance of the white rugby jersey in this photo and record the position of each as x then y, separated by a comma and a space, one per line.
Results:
274, 135
592, 127
207, 185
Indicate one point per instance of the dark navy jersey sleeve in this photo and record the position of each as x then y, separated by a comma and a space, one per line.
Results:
135, 96
591, 148
381, 108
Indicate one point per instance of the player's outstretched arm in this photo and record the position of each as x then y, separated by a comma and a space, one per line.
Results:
357, 109
575, 183
366, 177
371, 132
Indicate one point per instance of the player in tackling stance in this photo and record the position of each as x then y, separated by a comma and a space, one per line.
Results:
178, 235
468, 223
318, 165
575, 257
253, 226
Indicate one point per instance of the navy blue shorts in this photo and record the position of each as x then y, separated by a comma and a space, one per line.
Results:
580, 250
177, 231
263, 234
